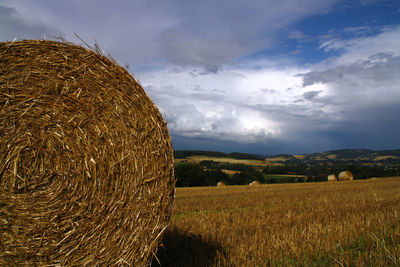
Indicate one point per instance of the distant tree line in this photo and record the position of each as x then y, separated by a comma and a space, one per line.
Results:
319, 172
210, 164
192, 174
179, 154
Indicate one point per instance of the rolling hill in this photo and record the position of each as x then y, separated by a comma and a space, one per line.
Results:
359, 156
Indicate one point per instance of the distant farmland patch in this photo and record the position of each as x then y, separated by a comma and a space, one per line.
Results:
332, 156
386, 157
252, 162
230, 172
276, 159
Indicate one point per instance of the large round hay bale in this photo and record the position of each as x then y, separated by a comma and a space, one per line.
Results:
345, 176
221, 184
86, 163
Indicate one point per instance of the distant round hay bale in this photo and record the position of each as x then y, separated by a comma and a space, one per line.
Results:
345, 176
255, 183
221, 184
332, 178
86, 162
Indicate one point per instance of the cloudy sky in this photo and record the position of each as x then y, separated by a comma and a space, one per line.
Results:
259, 76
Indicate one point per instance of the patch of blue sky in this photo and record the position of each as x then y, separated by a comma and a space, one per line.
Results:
302, 41
383, 13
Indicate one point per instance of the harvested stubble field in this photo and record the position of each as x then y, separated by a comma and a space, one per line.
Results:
251, 162
355, 223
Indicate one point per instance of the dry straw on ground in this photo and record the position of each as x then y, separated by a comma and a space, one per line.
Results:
345, 176
86, 163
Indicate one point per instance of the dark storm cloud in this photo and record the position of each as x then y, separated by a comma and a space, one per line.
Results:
213, 33
13, 26
145, 32
311, 94
375, 127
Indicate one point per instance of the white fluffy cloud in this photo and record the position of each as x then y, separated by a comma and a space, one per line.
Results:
239, 104
365, 73
386, 41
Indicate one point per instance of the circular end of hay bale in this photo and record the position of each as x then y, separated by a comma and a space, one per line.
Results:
86, 162
221, 184
345, 176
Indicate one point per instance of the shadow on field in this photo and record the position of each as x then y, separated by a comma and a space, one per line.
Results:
185, 249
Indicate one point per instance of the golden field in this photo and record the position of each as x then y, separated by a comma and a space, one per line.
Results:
355, 223
230, 172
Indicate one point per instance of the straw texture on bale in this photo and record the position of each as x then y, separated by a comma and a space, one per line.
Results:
86, 162
221, 184
345, 176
